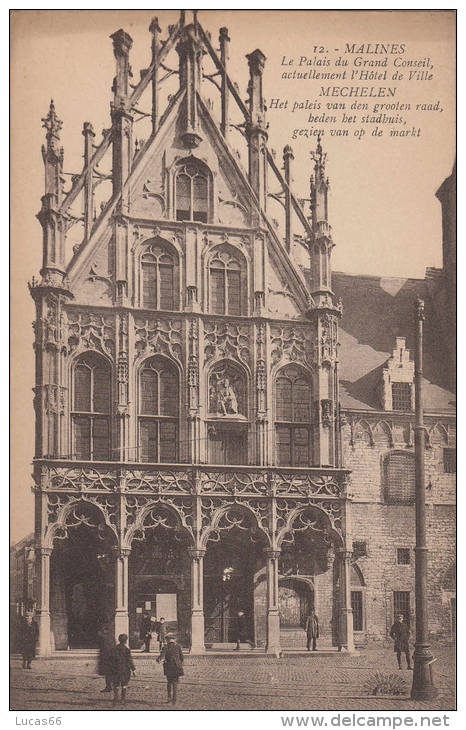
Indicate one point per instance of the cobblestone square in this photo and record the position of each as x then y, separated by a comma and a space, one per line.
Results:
255, 682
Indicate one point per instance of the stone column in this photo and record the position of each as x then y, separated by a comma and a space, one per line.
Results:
43, 601
346, 612
197, 601
121, 591
273, 616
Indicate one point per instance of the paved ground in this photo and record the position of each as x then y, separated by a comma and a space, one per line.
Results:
255, 682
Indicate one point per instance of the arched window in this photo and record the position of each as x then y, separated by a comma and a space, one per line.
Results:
91, 408
293, 417
227, 282
192, 192
158, 274
399, 478
158, 411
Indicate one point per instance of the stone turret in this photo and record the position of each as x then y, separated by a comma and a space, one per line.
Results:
321, 244
50, 218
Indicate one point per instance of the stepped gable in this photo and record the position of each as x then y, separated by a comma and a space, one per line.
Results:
376, 310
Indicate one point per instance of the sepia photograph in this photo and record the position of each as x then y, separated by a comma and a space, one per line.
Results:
233, 363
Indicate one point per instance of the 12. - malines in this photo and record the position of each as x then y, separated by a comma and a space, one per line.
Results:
374, 91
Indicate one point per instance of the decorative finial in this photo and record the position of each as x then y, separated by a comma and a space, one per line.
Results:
319, 158
52, 123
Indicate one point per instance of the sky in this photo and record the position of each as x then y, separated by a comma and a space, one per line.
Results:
383, 211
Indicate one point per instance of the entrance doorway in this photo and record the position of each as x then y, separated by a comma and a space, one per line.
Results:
235, 554
159, 580
81, 586
295, 601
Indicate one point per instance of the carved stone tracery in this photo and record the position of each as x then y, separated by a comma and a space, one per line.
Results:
226, 340
158, 336
67, 511
233, 484
319, 485
144, 512
329, 515
79, 478
293, 344
91, 331
159, 482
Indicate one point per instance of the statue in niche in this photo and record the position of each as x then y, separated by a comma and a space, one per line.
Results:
227, 402
225, 391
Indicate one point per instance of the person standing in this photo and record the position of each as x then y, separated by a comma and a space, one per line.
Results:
312, 631
162, 633
106, 646
121, 665
145, 631
172, 657
400, 635
29, 633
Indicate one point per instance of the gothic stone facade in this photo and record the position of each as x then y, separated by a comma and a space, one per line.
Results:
192, 458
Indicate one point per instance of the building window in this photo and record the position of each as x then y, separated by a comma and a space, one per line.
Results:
403, 556
399, 478
401, 397
227, 282
293, 417
227, 415
158, 269
449, 461
91, 408
401, 605
356, 605
192, 192
359, 549
158, 411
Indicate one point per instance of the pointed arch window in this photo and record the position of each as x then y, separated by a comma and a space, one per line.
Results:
91, 408
293, 417
159, 277
192, 192
158, 411
227, 273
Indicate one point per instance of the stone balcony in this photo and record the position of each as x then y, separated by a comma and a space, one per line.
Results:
53, 475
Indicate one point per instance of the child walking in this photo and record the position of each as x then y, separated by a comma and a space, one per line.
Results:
122, 665
172, 657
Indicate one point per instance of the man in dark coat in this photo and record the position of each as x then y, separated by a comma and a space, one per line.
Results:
240, 628
312, 631
29, 633
172, 657
400, 634
106, 646
145, 631
121, 663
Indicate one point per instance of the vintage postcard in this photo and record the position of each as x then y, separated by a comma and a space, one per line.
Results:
233, 330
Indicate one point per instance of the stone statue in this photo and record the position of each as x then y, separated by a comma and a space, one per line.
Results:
227, 402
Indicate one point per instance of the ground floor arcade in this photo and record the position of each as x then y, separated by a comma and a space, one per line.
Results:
197, 562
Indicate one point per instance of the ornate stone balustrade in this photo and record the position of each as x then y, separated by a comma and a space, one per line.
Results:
190, 479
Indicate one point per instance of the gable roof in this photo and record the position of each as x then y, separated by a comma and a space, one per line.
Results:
375, 311
153, 147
